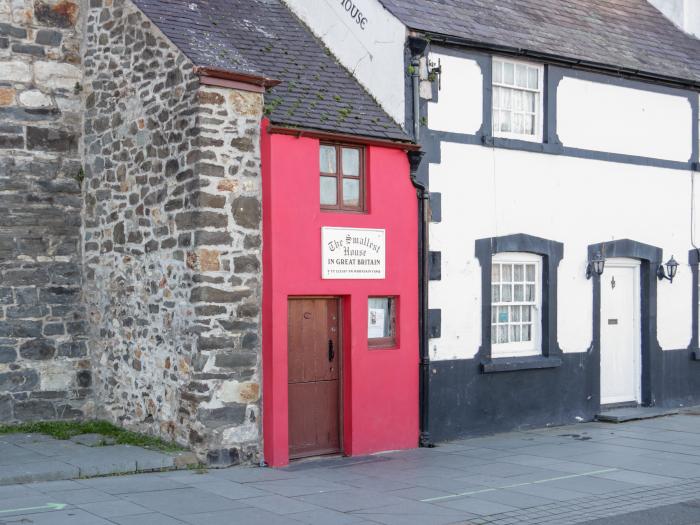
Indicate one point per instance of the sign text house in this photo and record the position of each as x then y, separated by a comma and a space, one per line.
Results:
353, 253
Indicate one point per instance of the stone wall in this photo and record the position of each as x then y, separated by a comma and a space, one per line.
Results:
44, 370
172, 240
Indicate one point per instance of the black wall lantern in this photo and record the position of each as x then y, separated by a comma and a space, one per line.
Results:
670, 272
596, 265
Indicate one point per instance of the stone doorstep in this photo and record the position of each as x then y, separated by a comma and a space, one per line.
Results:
621, 415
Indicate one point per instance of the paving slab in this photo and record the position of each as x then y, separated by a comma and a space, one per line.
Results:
29, 458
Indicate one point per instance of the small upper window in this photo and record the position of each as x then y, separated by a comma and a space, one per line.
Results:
515, 304
381, 322
517, 100
342, 178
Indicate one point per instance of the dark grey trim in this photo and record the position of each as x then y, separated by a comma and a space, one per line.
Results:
551, 144
694, 261
513, 364
434, 323
435, 265
652, 358
552, 253
435, 207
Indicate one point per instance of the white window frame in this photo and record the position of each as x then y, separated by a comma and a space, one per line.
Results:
521, 348
539, 110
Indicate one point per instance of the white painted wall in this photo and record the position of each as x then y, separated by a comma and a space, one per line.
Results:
459, 108
603, 117
493, 192
684, 13
374, 54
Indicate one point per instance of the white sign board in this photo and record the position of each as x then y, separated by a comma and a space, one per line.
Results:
353, 253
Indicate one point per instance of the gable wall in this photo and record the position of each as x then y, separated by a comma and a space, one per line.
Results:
172, 241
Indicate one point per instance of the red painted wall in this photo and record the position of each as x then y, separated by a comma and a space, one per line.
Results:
380, 387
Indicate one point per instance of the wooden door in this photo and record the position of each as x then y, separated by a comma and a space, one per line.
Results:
620, 349
314, 377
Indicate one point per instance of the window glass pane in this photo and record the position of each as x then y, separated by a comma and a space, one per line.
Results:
502, 314
529, 125
380, 317
506, 293
508, 73
527, 332
497, 71
530, 272
515, 313
518, 123
329, 192
502, 333
494, 315
351, 192
505, 121
507, 272
495, 294
506, 102
515, 333
530, 292
527, 313
351, 162
521, 75
533, 78
518, 293
530, 101
495, 273
328, 159
493, 334
518, 273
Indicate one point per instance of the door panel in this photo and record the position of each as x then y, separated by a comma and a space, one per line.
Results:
620, 352
314, 377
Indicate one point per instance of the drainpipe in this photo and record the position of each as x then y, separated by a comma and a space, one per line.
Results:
423, 195
417, 48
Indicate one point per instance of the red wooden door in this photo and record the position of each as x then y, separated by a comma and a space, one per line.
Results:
314, 377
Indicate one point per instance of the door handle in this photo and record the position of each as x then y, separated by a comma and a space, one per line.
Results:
331, 353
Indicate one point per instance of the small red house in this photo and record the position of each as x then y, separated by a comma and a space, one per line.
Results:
340, 295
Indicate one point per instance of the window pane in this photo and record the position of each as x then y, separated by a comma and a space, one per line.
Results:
502, 314
518, 293
497, 70
494, 315
506, 101
496, 120
380, 317
515, 333
533, 78
527, 332
507, 273
518, 123
529, 102
493, 334
495, 294
529, 127
515, 314
505, 121
351, 192
530, 292
521, 75
506, 293
329, 192
527, 313
518, 273
495, 273
502, 333
351, 162
530, 272
328, 159
508, 73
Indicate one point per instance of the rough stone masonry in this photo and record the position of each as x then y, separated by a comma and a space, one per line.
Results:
45, 370
152, 318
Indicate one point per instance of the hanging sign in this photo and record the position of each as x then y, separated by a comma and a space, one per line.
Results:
353, 253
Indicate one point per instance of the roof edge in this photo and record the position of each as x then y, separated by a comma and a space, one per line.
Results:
561, 60
280, 129
226, 78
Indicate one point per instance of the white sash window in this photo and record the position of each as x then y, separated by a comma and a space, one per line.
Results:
517, 100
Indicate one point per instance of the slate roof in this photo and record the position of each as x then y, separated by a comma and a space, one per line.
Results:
624, 33
262, 37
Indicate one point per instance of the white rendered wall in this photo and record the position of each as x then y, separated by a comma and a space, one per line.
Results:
615, 119
493, 192
459, 108
684, 13
373, 51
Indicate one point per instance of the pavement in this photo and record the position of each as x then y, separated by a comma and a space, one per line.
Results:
640, 472
26, 458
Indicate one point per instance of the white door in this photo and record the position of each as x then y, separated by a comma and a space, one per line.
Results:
620, 334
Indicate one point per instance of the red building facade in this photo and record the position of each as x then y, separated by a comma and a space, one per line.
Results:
340, 354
